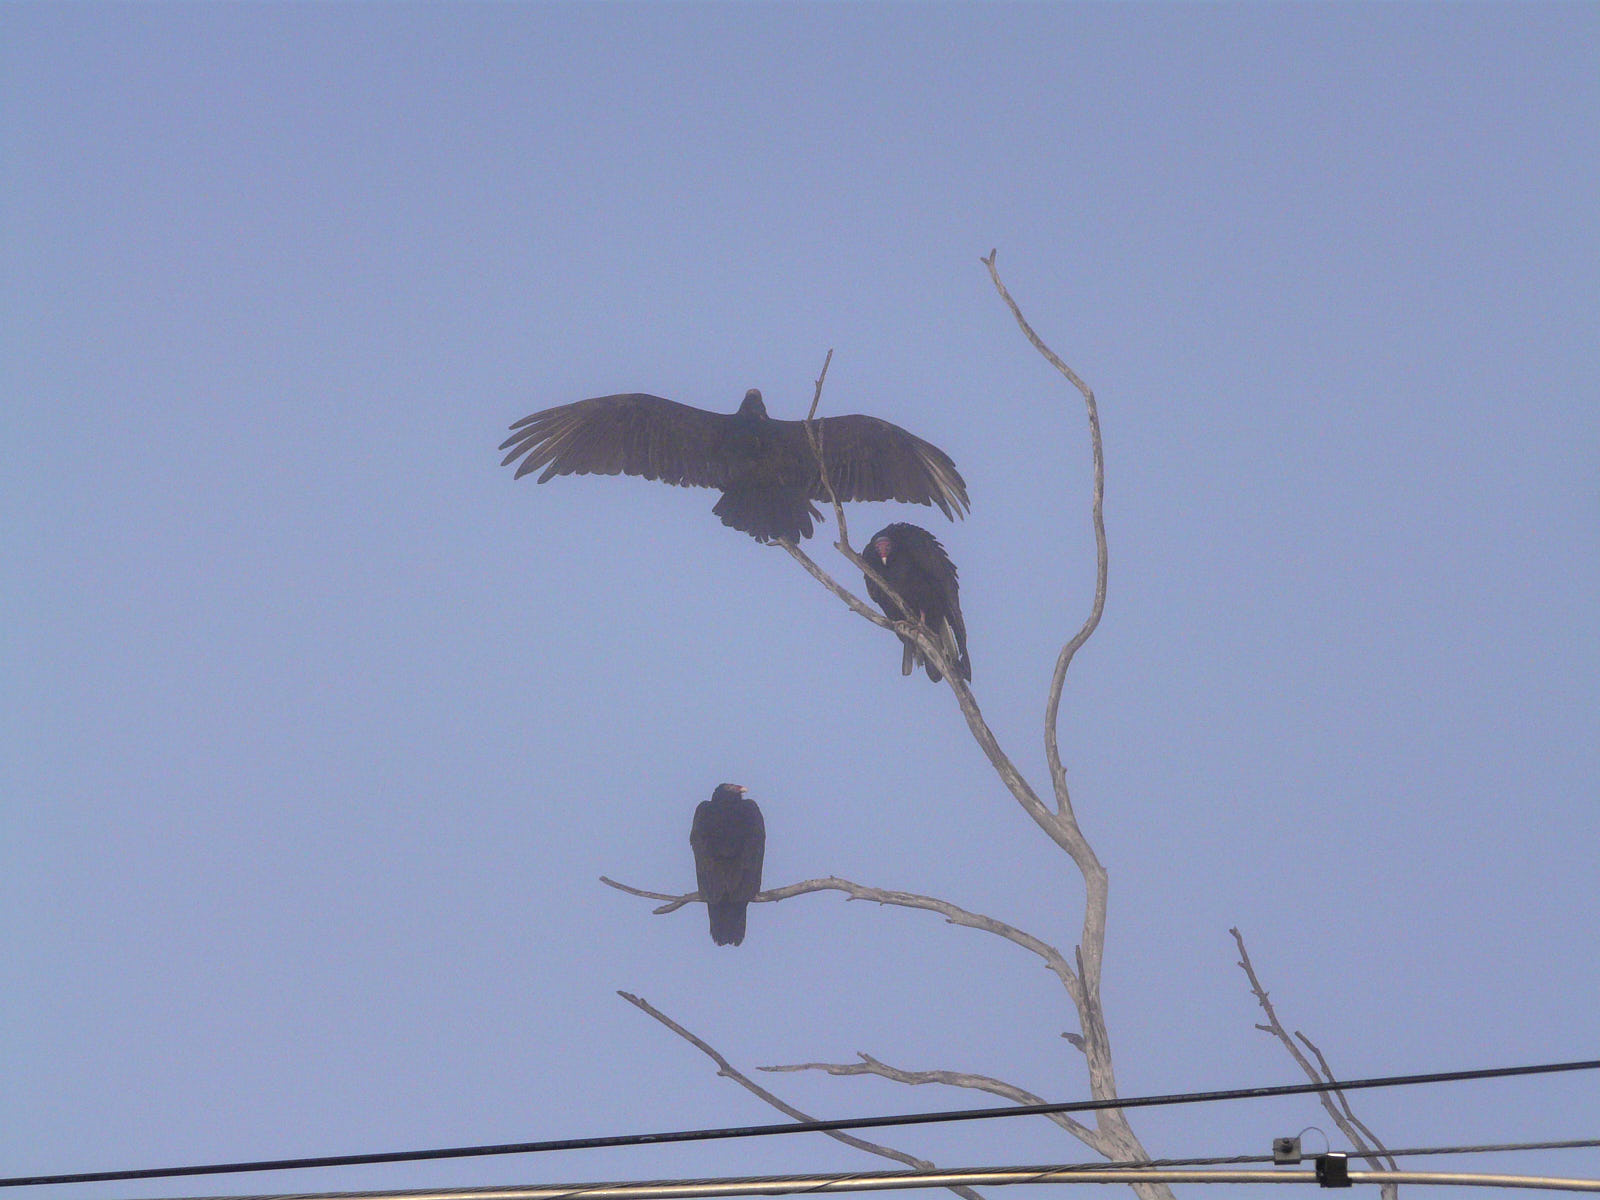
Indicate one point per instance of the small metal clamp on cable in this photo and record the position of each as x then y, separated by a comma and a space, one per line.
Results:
1333, 1170
1286, 1151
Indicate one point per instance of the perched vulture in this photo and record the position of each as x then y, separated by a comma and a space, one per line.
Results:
764, 467
729, 839
912, 561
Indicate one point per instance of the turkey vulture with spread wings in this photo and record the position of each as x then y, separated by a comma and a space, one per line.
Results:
914, 564
730, 840
764, 467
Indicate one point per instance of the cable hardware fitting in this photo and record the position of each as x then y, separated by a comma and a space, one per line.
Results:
1333, 1170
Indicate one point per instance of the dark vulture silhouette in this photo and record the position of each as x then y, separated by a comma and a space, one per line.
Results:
912, 561
764, 467
729, 839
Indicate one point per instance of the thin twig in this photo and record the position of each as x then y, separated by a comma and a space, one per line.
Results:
728, 1071
677, 899
982, 1083
814, 436
1341, 1112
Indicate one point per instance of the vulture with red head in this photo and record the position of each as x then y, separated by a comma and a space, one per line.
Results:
914, 564
764, 467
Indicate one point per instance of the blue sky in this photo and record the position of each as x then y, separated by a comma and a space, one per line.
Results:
319, 729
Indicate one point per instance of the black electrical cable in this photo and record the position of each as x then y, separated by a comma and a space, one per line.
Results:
1490, 1148
1239, 1160
706, 1135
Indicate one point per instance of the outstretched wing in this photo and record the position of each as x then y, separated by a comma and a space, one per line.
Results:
630, 434
869, 459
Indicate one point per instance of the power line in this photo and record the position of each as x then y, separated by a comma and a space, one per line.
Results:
1492, 1148
1410, 1151
867, 1181
706, 1135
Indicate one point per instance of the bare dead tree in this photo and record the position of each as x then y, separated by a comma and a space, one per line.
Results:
1110, 1135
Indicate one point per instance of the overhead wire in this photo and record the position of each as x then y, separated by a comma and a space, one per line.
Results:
865, 1181
1489, 1148
717, 1134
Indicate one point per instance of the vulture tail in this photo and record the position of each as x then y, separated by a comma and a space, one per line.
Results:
911, 657
768, 514
957, 653
727, 922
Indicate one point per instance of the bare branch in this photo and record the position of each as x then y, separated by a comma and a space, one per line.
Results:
857, 605
814, 436
982, 1083
1341, 1112
914, 629
677, 900
728, 1071
816, 398
952, 913
1063, 833
1344, 1104
1058, 773
1064, 660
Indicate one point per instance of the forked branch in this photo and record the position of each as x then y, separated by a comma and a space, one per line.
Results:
914, 629
1060, 824
1334, 1100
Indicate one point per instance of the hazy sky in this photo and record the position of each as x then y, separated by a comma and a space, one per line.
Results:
319, 729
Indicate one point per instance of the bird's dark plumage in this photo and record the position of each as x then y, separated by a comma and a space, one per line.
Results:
764, 467
912, 561
729, 839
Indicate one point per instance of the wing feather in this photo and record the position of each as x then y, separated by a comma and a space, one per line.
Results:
871, 459
629, 434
